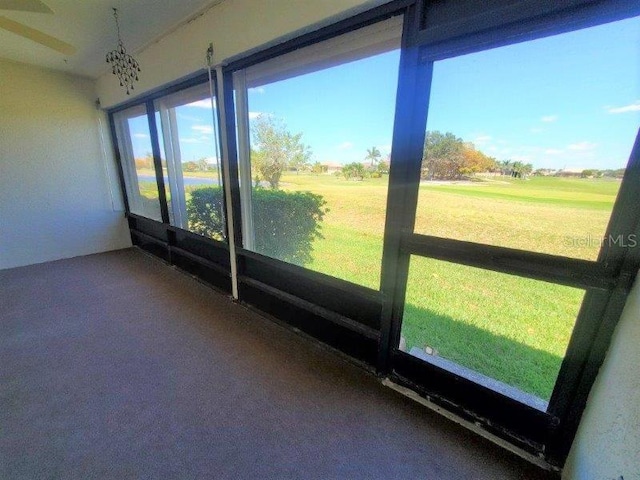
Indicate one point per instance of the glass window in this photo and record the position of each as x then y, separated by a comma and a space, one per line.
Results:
525, 148
314, 133
134, 144
506, 332
191, 165
526, 144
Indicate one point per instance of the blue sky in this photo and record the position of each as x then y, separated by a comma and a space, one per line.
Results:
569, 101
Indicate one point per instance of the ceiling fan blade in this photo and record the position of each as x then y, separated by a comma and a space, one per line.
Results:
25, 6
37, 36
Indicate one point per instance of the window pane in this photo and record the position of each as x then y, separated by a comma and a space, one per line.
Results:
134, 144
526, 144
190, 157
506, 332
314, 132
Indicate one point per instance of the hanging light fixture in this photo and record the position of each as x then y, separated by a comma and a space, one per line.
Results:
123, 65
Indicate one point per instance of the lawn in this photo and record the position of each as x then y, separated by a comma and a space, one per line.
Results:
513, 329
543, 214
477, 318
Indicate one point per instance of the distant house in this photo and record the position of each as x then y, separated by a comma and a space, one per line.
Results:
570, 172
332, 167
545, 172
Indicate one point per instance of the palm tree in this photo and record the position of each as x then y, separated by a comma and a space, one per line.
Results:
506, 167
354, 170
374, 156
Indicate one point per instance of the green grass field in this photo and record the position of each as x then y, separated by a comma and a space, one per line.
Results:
513, 329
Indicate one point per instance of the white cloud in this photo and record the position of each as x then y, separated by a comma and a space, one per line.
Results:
140, 135
582, 146
345, 146
482, 140
633, 107
549, 118
522, 158
553, 151
205, 129
190, 140
536, 130
191, 118
205, 103
254, 115
260, 90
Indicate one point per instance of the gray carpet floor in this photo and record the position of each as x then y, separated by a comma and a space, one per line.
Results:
118, 366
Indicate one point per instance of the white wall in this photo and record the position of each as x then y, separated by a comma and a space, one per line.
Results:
607, 445
56, 198
234, 27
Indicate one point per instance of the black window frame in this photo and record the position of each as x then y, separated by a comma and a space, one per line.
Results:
326, 303
365, 323
203, 257
607, 280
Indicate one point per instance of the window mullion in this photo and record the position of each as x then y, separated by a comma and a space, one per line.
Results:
174, 165
244, 159
157, 161
541, 266
131, 178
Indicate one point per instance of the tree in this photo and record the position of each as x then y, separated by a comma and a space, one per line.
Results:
144, 162
447, 157
317, 168
505, 167
619, 173
373, 156
443, 156
203, 166
521, 170
474, 161
384, 165
190, 166
300, 156
276, 150
256, 164
354, 170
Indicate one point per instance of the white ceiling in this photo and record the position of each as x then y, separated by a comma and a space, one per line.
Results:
88, 25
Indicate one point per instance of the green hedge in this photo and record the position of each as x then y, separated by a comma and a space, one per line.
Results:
285, 223
205, 212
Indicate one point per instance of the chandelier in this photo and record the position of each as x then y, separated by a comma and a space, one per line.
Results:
123, 65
